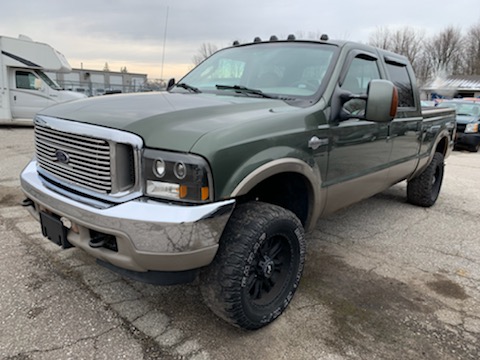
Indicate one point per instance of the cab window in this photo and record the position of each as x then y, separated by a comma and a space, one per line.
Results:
25, 80
399, 75
359, 74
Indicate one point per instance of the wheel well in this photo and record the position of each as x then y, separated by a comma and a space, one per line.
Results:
291, 191
442, 146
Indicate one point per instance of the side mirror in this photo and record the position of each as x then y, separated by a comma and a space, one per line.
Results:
38, 84
170, 84
382, 101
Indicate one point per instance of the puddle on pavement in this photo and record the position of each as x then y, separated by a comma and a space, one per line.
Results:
444, 286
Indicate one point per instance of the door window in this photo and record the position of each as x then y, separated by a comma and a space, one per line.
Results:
399, 75
25, 80
359, 75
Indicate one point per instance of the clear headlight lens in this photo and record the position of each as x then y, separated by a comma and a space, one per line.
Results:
159, 168
471, 128
177, 176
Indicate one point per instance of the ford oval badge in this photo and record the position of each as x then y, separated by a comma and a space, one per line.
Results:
62, 157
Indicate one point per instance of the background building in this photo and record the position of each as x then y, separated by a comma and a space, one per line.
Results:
99, 82
453, 86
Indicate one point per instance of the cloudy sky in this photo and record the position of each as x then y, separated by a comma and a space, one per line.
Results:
131, 33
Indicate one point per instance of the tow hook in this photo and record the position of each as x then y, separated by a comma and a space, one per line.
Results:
26, 202
97, 242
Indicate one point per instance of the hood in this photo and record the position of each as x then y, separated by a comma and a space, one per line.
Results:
466, 119
67, 95
165, 120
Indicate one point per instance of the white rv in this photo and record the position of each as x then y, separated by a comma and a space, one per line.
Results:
24, 87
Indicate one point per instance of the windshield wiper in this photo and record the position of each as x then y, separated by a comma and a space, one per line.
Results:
188, 87
244, 90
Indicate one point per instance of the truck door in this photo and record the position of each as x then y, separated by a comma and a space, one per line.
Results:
405, 129
27, 96
359, 149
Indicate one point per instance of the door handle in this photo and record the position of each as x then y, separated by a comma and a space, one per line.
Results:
315, 142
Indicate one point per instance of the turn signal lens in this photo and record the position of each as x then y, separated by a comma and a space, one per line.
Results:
205, 193
182, 192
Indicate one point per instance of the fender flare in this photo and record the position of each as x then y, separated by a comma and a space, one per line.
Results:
288, 165
444, 134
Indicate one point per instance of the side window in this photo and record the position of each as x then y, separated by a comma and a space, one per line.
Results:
359, 74
399, 75
25, 80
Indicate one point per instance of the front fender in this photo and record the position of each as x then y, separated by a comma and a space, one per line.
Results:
287, 165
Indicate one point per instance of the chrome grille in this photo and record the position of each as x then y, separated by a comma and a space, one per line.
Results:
77, 159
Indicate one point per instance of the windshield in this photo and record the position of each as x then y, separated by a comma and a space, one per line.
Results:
469, 109
47, 80
283, 70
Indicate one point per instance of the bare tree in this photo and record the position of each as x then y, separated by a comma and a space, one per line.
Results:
381, 38
445, 51
472, 51
423, 68
406, 41
205, 51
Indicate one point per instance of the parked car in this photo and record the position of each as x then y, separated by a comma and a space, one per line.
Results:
468, 120
428, 103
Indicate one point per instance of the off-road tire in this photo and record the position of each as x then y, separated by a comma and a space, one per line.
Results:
424, 189
258, 266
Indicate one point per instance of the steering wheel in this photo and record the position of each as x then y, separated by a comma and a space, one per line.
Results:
305, 84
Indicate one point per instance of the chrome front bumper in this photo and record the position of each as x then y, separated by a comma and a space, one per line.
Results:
150, 235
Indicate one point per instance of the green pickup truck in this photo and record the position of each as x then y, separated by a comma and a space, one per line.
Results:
221, 176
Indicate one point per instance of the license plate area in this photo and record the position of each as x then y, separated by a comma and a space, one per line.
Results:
53, 229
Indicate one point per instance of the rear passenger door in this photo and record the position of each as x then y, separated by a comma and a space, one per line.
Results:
405, 129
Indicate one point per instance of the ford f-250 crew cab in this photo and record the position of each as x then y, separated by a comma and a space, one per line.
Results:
221, 174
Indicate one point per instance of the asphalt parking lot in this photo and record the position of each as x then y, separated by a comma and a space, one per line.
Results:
383, 280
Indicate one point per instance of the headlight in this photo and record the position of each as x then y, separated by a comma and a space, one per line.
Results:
471, 128
176, 176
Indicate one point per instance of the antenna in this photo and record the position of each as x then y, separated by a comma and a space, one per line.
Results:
164, 41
